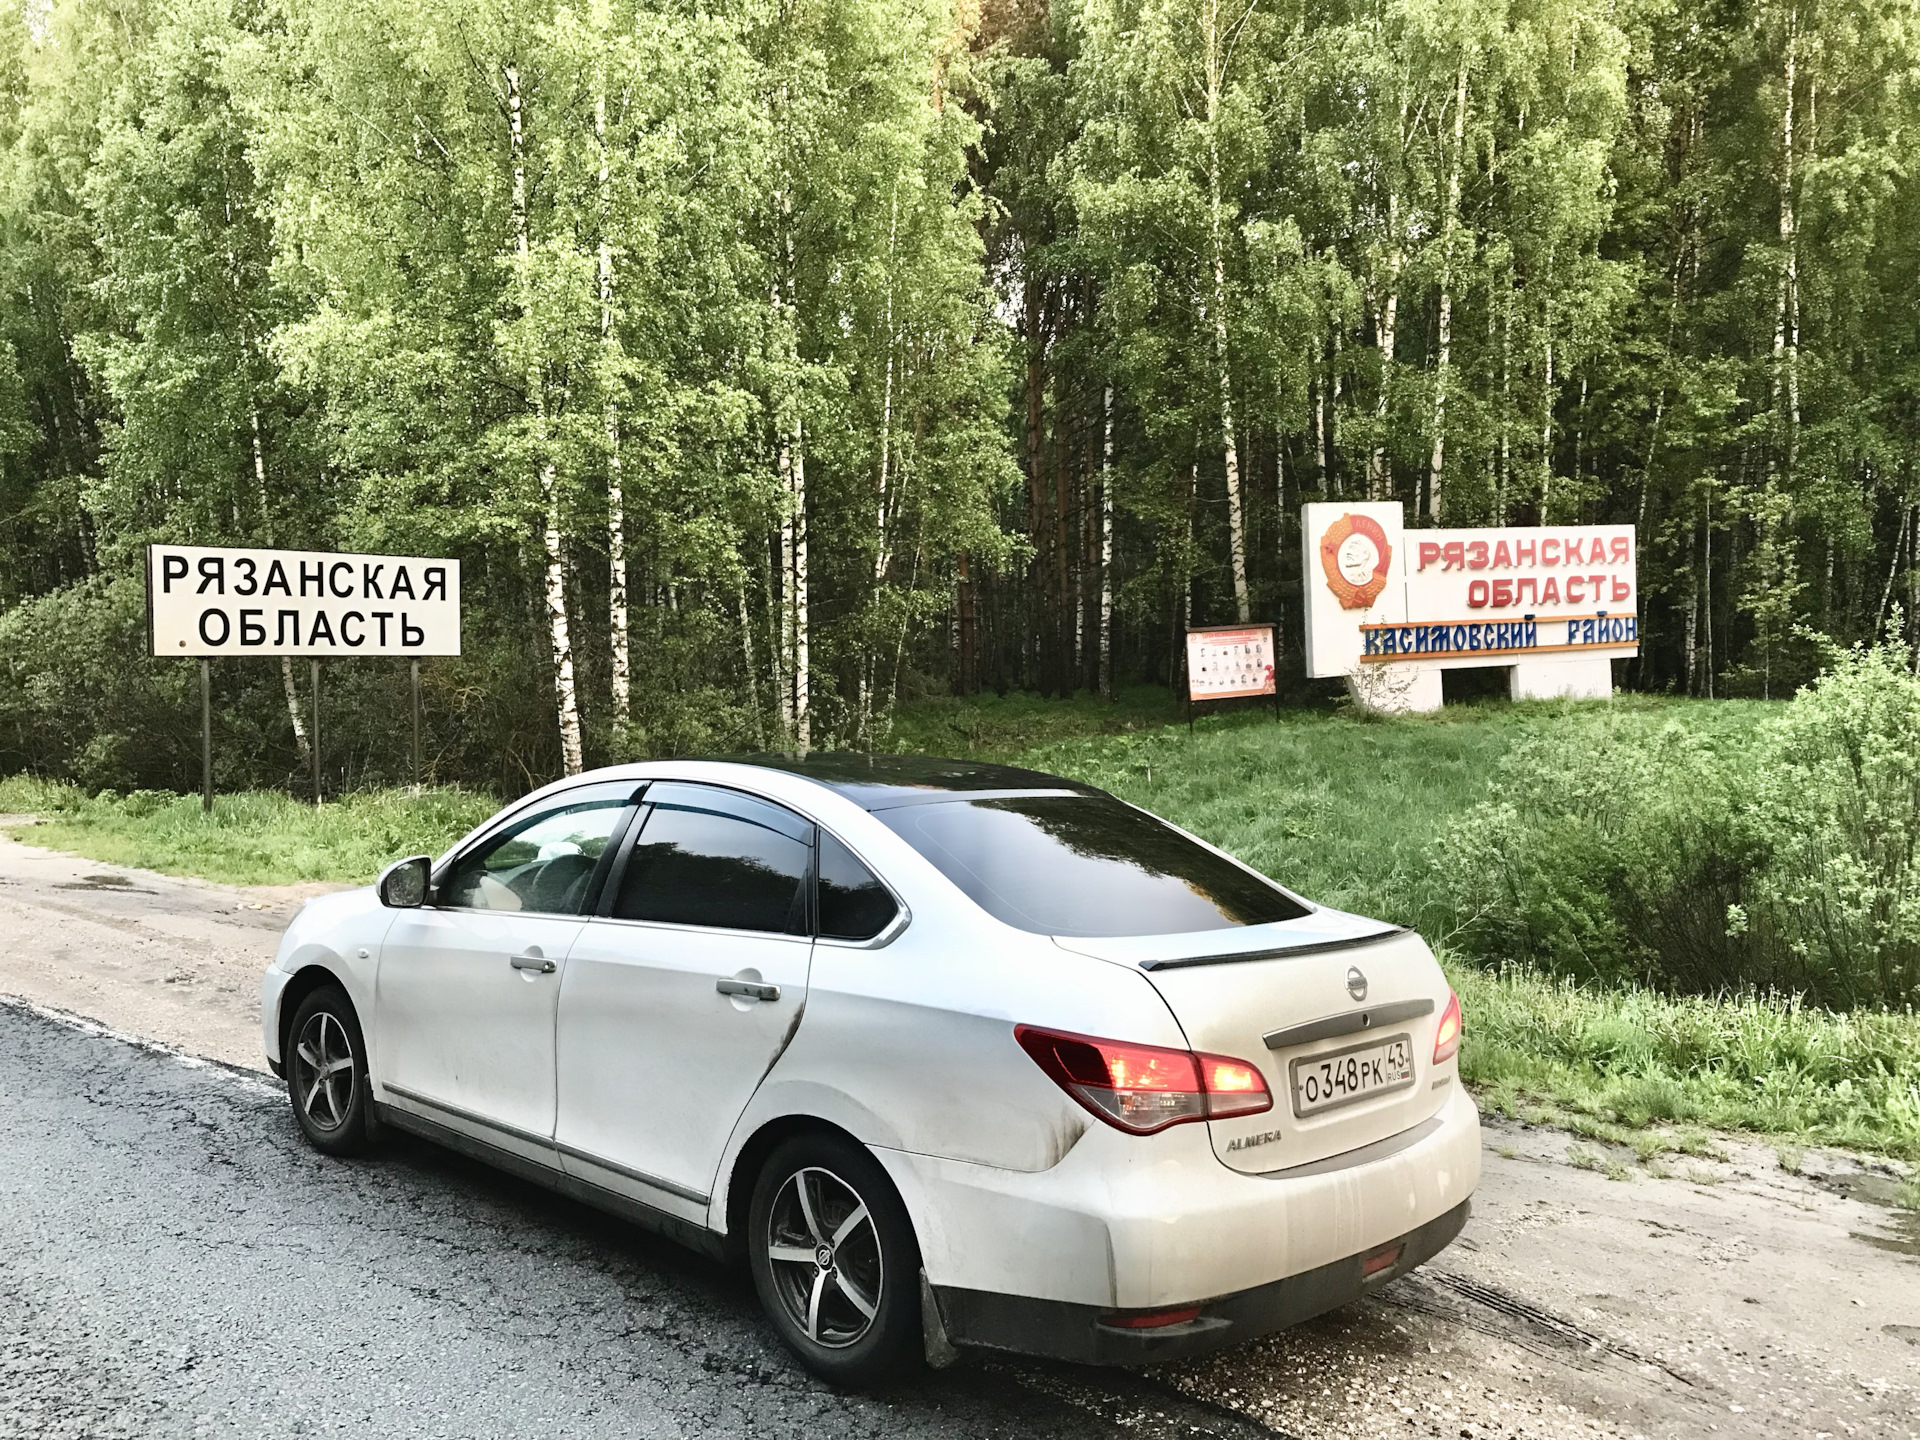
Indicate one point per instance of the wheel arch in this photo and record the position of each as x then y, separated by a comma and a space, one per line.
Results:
309, 978
744, 1173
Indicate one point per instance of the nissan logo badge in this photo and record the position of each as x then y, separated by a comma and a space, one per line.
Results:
1356, 983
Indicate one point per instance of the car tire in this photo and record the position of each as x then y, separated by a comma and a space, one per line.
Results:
326, 1065
835, 1261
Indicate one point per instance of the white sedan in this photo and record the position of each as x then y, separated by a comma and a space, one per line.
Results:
955, 1055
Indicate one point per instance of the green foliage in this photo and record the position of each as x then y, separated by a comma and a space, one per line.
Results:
1707, 856
255, 838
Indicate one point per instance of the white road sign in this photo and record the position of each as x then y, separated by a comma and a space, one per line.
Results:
207, 600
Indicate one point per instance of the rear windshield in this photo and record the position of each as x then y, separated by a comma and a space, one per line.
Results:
1086, 865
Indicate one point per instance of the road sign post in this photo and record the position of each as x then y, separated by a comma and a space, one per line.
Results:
206, 738
315, 748
205, 601
416, 725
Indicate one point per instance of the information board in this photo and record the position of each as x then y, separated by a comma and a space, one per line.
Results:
1225, 661
205, 601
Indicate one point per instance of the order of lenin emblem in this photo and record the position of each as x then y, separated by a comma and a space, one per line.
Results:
1355, 554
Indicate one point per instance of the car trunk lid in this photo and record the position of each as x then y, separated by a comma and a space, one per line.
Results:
1290, 997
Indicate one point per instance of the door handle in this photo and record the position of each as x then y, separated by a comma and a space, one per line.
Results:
537, 963
747, 989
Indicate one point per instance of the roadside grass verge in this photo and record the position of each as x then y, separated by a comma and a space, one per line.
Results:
255, 838
1655, 1072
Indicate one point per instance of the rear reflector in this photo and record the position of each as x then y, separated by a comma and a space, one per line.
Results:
1144, 1088
1154, 1321
1379, 1260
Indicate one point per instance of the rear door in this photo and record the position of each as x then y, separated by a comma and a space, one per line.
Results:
1339, 1013
680, 995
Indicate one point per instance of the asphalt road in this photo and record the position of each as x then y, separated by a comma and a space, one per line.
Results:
174, 1261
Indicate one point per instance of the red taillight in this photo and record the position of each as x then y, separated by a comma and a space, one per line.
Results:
1446, 1039
1233, 1087
1144, 1088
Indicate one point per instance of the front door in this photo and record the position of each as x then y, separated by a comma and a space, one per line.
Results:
467, 987
679, 999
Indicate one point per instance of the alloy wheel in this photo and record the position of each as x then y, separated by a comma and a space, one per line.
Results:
825, 1254
323, 1072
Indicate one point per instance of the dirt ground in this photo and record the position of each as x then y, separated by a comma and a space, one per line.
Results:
1729, 1296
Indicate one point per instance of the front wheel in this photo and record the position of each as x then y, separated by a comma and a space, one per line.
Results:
835, 1261
327, 1073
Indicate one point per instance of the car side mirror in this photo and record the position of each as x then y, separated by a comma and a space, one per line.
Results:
403, 884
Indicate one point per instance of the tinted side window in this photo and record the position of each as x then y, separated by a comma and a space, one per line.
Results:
696, 867
854, 905
542, 861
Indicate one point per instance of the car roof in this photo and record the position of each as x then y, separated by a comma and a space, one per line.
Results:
885, 782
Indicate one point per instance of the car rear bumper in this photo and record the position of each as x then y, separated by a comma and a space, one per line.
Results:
1030, 1260
1063, 1330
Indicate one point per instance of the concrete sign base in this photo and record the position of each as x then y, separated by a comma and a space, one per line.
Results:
1416, 689
1588, 678
1395, 689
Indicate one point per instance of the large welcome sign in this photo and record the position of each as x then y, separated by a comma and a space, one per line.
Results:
1389, 608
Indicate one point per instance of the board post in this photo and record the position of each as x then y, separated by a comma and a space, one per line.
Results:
206, 738
316, 732
416, 724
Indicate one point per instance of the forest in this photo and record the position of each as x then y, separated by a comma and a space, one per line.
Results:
769, 364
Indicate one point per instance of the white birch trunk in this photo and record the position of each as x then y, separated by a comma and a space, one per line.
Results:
266, 525
746, 651
1332, 446
783, 664
1546, 397
1436, 470
802, 710
1236, 512
1378, 480
1786, 325
1106, 554
616, 494
566, 700
883, 551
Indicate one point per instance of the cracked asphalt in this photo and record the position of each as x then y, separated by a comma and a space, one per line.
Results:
174, 1261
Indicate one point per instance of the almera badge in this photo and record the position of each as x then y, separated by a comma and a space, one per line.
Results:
1356, 556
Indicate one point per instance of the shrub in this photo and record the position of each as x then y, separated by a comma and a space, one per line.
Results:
1698, 858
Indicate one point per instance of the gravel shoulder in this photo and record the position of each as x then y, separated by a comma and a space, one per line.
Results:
1731, 1296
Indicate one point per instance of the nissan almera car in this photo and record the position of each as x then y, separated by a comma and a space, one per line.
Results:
953, 1055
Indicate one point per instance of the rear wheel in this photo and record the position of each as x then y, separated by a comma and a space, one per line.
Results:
327, 1073
835, 1261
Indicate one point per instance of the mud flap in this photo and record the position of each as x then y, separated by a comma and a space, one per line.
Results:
933, 1329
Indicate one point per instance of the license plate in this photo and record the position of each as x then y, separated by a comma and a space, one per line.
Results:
1326, 1082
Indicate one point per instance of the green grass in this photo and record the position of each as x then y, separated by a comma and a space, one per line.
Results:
1341, 808
1652, 1072
1007, 727
258, 838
